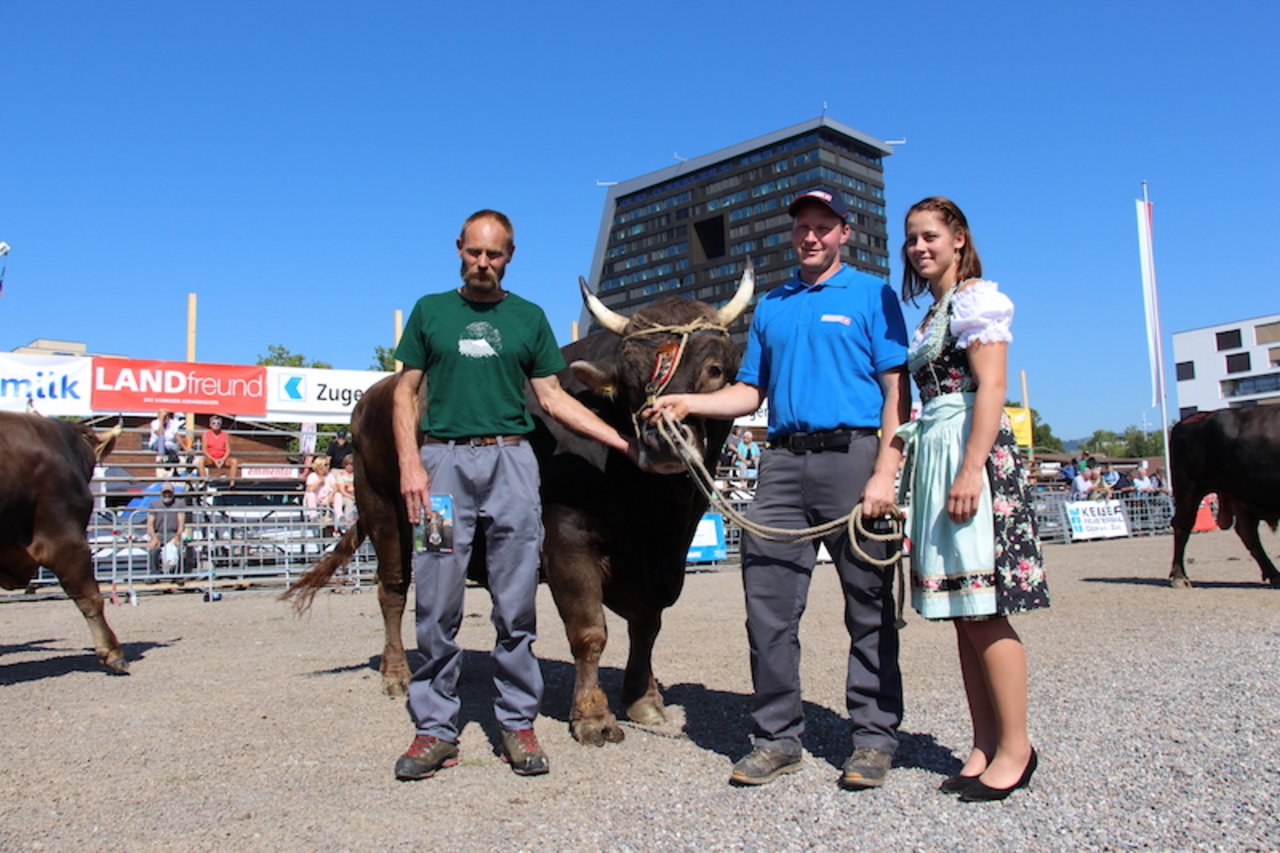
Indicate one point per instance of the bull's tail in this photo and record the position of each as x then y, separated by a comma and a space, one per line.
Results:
303, 590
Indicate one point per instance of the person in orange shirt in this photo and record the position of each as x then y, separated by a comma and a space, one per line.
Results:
216, 451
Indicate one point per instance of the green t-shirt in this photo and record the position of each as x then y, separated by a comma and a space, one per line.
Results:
476, 356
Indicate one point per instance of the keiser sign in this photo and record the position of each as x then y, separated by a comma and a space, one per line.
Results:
130, 385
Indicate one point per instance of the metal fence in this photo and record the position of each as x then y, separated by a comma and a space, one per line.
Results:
231, 538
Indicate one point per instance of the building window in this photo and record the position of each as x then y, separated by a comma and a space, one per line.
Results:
1186, 412
1267, 333
1229, 340
1268, 383
1186, 371
1238, 363
1273, 355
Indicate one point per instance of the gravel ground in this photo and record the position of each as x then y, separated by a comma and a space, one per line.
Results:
243, 727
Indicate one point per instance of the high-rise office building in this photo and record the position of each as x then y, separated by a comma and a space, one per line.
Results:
688, 229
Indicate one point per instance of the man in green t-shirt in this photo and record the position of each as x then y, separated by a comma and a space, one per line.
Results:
474, 347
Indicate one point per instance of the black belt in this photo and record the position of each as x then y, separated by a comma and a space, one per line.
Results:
816, 442
477, 440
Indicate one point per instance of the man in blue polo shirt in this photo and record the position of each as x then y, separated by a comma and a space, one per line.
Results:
828, 350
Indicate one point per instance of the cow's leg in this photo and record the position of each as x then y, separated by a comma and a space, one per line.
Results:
1247, 530
573, 566
1184, 518
640, 694
389, 543
73, 565
395, 666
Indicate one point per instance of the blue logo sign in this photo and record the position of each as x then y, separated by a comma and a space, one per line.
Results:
293, 387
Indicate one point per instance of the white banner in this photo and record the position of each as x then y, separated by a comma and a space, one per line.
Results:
312, 394
51, 384
1096, 520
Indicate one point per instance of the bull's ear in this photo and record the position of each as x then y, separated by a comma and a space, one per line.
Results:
602, 383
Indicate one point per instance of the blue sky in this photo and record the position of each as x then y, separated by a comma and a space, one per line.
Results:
304, 167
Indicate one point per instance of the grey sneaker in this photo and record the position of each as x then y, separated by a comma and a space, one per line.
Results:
866, 768
520, 749
425, 756
763, 765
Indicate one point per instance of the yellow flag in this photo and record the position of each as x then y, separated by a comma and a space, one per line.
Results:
1020, 420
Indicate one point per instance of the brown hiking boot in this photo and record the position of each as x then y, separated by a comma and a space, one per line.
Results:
425, 756
520, 749
866, 768
763, 765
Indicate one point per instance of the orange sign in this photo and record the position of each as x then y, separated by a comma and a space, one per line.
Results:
129, 385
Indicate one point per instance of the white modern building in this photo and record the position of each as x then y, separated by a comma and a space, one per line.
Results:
1228, 365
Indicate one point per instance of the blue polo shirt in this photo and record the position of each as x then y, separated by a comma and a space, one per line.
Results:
817, 351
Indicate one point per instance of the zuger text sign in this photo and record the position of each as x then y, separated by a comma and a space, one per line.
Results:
129, 385
309, 393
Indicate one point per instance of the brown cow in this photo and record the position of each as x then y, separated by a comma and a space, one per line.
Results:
45, 468
616, 534
1236, 453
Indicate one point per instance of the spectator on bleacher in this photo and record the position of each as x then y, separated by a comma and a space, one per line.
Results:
748, 455
1123, 483
1070, 470
1157, 481
1109, 475
1142, 482
319, 491
344, 492
1088, 486
163, 440
216, 451
166, 523
339, 450
729, 452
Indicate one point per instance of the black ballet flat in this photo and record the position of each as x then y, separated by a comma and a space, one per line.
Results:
956, 784
979, 792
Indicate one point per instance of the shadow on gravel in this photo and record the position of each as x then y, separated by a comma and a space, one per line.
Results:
68, 661
1195, 583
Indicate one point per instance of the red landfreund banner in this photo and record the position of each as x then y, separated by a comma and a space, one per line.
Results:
129, 385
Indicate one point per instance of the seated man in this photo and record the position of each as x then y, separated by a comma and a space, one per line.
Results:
216, 451
166, 523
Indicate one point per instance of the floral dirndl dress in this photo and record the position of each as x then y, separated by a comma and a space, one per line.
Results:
992, 564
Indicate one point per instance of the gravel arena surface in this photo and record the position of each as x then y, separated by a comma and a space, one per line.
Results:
242, 727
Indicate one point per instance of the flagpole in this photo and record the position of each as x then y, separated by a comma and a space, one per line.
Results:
1155, 338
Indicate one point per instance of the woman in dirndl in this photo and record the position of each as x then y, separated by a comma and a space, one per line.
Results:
975, 555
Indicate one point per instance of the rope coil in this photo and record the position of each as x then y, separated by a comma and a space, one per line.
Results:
680, 438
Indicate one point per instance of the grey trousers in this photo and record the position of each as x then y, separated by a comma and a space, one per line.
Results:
800, 490
494, 488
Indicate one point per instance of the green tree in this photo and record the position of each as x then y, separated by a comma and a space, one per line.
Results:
280, 356
384, 358
1103, 442
1138, 442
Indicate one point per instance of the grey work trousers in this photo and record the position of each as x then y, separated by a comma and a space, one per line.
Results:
494, 488
800, 490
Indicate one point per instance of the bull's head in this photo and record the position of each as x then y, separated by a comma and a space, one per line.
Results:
675, 346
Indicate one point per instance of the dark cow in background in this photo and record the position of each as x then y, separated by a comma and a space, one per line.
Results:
45, 468
1235, 453
617, 535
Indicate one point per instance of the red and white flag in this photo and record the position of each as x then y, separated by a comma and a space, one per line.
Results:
1150, 301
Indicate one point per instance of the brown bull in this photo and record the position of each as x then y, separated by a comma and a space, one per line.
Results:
617, 535
45, 468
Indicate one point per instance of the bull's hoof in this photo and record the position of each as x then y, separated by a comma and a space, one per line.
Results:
646, 712
597, 732
1179, 583
115, 663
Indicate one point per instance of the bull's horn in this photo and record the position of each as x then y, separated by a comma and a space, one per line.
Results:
111, 436
606, 317
733, 309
